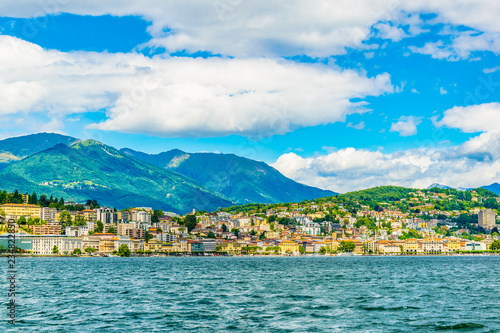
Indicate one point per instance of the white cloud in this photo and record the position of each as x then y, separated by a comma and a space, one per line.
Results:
474, 118
474, 163
443, 91
268, 28
491, 70
406, 126
388, 31
180, 96
358, 126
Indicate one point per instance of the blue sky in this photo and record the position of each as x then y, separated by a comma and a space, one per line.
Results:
340, 98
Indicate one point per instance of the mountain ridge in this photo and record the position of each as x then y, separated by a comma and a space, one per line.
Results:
90, 169
238, 178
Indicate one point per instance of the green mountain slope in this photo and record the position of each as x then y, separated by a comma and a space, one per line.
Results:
91, 169
14, 149
240, 179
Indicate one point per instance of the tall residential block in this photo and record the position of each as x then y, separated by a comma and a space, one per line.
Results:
486, 218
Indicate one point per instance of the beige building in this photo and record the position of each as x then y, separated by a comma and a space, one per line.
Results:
123, 227
486, 218
46, 229
90, 241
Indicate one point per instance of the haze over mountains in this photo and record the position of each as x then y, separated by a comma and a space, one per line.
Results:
64, 166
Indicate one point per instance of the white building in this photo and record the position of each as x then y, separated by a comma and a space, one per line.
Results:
123, 240
48, 214
311, 228
45, 244
168, 238
143, 216
80, 230
475, 246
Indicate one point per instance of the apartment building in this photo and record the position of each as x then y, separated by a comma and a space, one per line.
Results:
17, 210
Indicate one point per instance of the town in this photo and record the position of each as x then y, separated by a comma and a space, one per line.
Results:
379, 221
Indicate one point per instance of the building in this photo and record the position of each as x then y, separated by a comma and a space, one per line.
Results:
48, 214
143, 217
486, 218
135, 233
230, 247
18, 210
167, 238
209, 245
90, 241
24, 242
46, 229
123, 240
77, 231
106, 215
65, 245
289, 247
154, 245
475, 246
89, 215
123, 227
195, 246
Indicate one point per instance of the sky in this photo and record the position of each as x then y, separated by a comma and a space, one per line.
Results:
342, 95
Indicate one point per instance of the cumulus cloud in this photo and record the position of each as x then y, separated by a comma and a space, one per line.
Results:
443, 91
474, 163
406, 125
267, 28
474, 118
180, 96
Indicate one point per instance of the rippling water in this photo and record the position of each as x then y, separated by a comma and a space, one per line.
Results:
311, 294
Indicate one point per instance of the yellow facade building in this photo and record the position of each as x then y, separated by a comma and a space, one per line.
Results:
289, 247
18, 210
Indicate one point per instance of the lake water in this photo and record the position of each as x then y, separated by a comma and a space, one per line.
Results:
254, 294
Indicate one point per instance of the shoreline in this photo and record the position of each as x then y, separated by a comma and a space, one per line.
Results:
254, 256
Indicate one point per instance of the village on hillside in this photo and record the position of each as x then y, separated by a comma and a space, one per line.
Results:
379, 221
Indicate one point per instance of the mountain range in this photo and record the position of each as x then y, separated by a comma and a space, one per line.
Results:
495, 187
240, 179
174, 180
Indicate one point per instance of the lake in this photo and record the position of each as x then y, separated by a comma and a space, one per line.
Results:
255, 294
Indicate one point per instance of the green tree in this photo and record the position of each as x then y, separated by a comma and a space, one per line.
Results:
211, 234
77, 251
301, 249
65, 218
224, 227
112, 230
322, 250
21, 220
90, 250
235, 231
124, 251
190, 222
100, 227
347, 246
495, 246
55, 250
